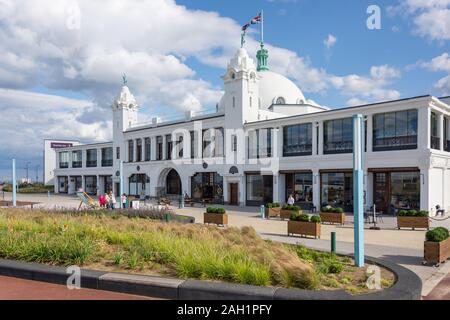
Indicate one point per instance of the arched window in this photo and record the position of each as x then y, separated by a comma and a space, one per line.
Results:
280, 100
234, 102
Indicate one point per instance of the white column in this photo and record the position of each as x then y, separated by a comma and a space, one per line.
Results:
424, 128
282, 188
424, 189
242, 191
320, 139
226, 197
153, 148
83, 183
98, 185
316, 188
441, 131
99, 158
276, 196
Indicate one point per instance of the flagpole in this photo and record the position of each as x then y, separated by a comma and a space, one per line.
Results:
262, 26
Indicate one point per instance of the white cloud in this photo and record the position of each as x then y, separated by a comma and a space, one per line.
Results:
440, 64
330, 41
31, 117
430, 17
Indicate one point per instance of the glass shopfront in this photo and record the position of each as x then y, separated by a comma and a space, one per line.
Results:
396, 190
63, 185
139, 185
173, 183
207, 186
300, 186
259, 189
337, 190
91, 184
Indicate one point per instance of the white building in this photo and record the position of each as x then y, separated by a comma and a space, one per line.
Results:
50, 147
266, 141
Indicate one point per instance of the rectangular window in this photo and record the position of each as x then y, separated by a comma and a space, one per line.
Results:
338, 136
446, 140
138, 150
259, 189
395, 130
148, 149
77, 159
130, 150
107, 157
91, 158
169, 147
64, 160
435, 140
260, 143
300, 186
218, 142
159, 148
234, 143
193, 144
297, 140
337, 190
118, 153
206, 143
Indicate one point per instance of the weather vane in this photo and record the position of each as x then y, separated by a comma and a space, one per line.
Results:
125, 81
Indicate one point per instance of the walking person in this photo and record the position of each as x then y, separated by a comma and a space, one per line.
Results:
123, 199
291, 200
107, 201
112, 200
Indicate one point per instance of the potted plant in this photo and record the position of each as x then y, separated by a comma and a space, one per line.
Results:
437, 246
215, 216
332, 215
413, 219
287, 210
303, 225
273, 210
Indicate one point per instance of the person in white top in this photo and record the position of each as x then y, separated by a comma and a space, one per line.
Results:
112, 200
291, 200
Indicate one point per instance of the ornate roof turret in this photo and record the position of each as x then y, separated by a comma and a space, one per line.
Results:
262, 55
125, 98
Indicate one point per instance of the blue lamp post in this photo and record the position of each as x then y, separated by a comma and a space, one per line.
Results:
358, 193
14, 185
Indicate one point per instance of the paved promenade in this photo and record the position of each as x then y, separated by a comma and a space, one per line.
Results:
21, 289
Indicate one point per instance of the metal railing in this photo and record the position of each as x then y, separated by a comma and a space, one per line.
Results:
435, 143
395, 143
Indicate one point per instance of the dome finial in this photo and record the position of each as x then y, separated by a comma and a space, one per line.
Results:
125, 80
262, 55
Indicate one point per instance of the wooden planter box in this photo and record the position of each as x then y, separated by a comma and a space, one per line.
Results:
215, 218
333, 218
273, 212
436, 252
304, 229
413, 222
286, 214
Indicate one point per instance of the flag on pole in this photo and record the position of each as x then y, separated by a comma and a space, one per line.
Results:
255, 20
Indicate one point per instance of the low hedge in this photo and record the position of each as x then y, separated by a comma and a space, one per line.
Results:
272, 205
215, 210
412, 213
332, 210
437, 235
290, 207
305, 218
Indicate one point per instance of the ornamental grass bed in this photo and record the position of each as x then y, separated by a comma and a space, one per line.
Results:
114, 242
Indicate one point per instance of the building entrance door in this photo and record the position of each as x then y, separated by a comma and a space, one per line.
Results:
234, 195
381, 191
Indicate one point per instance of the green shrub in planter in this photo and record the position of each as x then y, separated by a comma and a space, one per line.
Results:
215, 210
422, 213
338, 210
403, 213
437, 235
325, 209
273, 205
316, 219
290, 207
299, 217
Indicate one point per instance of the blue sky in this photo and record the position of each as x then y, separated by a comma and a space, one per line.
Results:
62, 61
